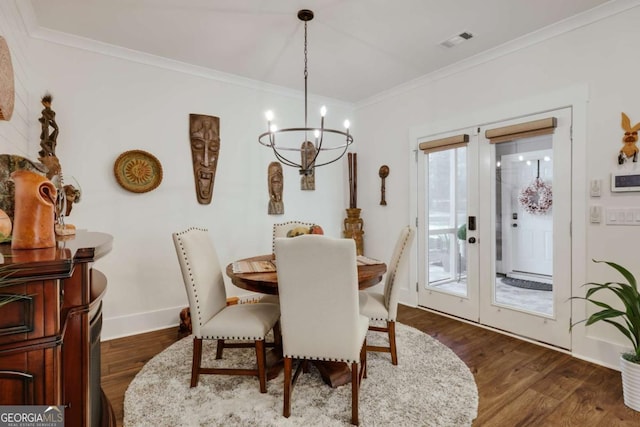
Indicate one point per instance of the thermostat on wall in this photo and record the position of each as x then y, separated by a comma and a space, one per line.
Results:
625, 181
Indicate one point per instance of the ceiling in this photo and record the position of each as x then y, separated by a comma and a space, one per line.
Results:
356, 48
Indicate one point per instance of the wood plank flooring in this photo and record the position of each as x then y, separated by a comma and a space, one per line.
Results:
520, 384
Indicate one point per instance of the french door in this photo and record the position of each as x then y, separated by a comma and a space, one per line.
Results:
495, 247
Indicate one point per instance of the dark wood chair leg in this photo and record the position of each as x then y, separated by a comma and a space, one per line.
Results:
261, 356
288, 362
197, 359
355, 386
391, 326
363, 359
277, 335
219, 348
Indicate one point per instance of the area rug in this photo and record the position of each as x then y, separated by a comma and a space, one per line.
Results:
527, 284
430, 386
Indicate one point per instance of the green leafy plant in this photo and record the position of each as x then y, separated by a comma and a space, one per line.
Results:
462, 232
627, 321
6, 279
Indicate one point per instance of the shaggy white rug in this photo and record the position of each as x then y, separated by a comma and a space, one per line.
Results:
430, 386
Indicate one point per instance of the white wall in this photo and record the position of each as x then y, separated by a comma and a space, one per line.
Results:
14, 134
107, 103
599, 57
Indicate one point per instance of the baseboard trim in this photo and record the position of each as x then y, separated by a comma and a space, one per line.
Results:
140, 323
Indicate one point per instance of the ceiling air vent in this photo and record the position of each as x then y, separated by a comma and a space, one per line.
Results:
457, 39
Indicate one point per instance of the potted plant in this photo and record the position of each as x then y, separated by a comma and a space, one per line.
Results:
627, 321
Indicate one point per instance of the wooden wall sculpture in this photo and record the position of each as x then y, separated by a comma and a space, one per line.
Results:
7, 85
629, 148
276, 184
204, 133
48, 143
383, 173
308, 154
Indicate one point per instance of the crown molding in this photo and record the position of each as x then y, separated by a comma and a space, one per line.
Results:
94, 46
596, 14
611, 8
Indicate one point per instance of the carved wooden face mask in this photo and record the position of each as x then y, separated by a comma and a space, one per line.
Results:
275, 181
204, 134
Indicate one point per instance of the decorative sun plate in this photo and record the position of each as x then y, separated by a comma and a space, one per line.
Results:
138, 171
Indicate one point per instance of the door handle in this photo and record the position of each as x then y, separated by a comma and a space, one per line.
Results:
472, 239
472, 223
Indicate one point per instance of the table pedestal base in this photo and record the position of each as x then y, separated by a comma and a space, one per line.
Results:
334, 373
274, 363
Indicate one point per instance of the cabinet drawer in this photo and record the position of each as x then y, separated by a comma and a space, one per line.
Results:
33, 311
31, 376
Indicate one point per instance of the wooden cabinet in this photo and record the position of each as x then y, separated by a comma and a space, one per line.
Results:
50, 331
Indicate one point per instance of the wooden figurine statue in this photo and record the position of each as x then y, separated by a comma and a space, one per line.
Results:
383, 173
308, 154
48, 120
204, 132
276, 183
48, 143
629, 149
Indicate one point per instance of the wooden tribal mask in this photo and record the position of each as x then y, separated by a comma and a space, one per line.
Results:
204, 134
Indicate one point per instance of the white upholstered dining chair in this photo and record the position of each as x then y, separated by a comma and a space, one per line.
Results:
320, 320
284, 229
384, 307
211, 317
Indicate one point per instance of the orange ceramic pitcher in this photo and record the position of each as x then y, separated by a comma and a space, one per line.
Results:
34, 216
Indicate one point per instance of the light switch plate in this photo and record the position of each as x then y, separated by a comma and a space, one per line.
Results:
595, 188
595, 214
617, 216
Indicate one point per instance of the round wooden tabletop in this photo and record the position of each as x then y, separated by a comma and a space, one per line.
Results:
267, 283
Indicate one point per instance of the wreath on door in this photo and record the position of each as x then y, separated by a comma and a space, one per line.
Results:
536, 198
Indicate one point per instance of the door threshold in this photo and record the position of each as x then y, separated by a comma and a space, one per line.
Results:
500, 331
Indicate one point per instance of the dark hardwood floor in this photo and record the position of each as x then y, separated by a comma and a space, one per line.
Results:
520, 384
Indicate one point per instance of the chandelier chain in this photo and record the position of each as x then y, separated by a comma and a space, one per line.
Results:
305, 73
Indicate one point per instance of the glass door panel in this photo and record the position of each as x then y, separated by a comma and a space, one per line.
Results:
524, 225
447, 212
448, 276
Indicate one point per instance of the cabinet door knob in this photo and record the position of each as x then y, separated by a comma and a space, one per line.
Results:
472, 239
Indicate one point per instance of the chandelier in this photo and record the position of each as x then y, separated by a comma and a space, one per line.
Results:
308, 153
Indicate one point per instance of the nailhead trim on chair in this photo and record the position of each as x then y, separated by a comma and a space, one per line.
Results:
392, 279
184, 255
325, 359
227, 337
379, 318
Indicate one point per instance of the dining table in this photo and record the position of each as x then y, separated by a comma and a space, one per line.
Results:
259, 274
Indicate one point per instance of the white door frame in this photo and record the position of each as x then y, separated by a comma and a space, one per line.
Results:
575, 97
552, 329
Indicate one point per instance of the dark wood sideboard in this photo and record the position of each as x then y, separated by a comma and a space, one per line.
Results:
50, 335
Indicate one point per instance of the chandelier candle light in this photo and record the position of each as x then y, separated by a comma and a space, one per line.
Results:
306, 166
